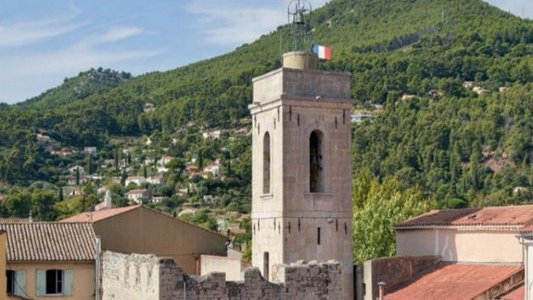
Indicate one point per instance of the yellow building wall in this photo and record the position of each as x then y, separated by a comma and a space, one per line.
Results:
3, 257
145, 231
83, 279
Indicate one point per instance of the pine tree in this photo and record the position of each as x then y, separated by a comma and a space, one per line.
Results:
77, 175
116, 159
61, 196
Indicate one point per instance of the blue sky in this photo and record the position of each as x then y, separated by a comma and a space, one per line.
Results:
44, 41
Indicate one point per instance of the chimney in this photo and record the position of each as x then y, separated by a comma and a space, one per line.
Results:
381, 286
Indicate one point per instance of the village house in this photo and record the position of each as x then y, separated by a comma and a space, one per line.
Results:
138, 229
138, 180
359, 117
64, 152
90, 150
214, 134
213, 169
480, 90
148, 107
158, 199
165, 160
155, 180
453, 254
137, 196
71, 191
73, 170
50, 260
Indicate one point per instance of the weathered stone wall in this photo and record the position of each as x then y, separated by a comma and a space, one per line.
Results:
129, 277
147, 277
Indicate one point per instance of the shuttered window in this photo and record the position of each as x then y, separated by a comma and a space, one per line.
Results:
16, 282
54, 282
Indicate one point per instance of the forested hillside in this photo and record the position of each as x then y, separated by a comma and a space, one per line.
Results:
435, 139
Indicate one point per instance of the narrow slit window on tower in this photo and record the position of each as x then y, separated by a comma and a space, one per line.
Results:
266, 163
266, 265
316, 168
318, 235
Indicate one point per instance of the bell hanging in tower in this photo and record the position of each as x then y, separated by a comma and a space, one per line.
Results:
299, 18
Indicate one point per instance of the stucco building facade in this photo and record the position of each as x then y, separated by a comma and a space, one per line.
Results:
138, 229
301, 167
50, 261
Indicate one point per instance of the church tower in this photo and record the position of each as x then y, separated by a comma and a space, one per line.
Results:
301, 167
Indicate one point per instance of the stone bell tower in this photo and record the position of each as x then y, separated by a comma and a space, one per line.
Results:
301, 167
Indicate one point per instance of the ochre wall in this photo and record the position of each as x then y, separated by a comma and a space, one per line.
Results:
461, 245
3, 256
82, 283
231, 266
145, 231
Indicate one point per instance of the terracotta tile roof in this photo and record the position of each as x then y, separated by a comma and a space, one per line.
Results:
518, 294
14, 220
493, 216
39, 242
527, 229
96, 216
455, 281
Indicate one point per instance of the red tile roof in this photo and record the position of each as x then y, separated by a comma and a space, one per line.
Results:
518, 294
455, 281
41, 242
14, 220
527, 229
488, 216
96, 216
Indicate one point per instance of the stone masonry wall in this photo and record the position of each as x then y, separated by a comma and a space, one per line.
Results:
147, 277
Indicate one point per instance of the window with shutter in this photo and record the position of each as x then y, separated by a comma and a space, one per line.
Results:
20, 283
10, 276
54, 282
68, 282
40, 282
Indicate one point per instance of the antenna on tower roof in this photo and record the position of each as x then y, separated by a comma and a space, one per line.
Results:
299, 25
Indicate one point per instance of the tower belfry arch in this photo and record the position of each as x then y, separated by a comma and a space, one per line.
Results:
301, 149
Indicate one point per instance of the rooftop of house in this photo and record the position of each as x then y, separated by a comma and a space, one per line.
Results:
49, 241
96, 216
518, 294
141, 191
456, 281
15, 220
528, 230
489, 216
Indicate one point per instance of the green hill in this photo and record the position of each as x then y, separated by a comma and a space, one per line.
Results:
445, 145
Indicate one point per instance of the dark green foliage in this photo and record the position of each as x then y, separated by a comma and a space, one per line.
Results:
452, 147
443, 145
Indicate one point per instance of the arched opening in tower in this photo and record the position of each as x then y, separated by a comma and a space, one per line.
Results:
266, 163
316, 168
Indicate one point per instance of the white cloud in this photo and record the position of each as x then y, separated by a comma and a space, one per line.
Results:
38, 64
26, 33
232, 22
235, 25
119, 33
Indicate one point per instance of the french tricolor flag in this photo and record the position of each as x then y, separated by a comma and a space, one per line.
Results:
322, 52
